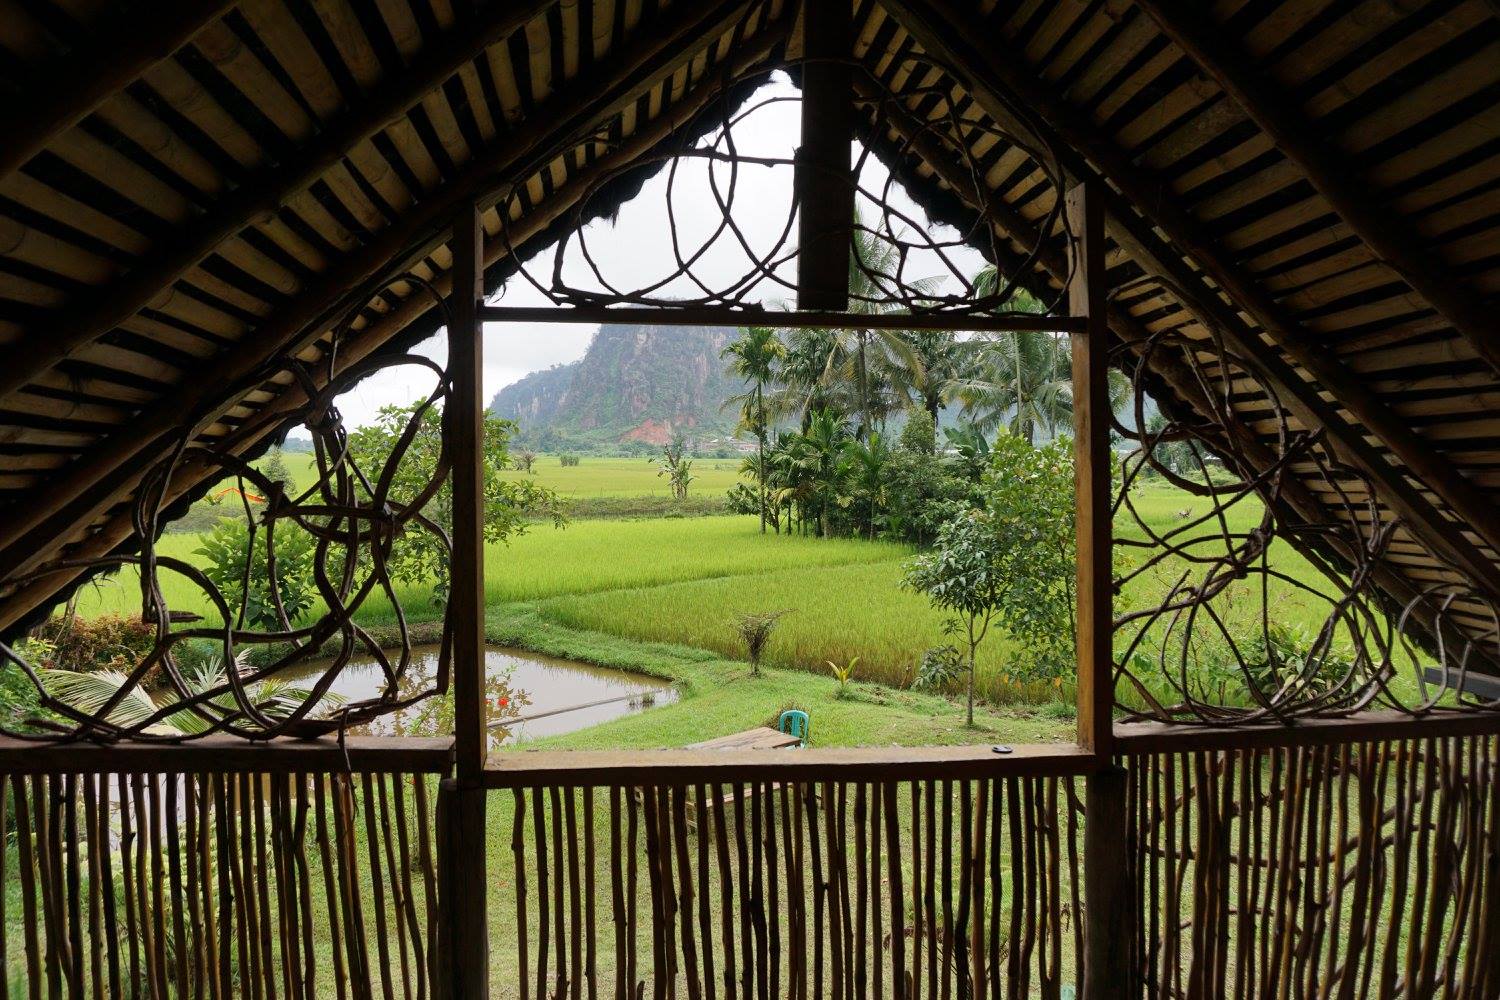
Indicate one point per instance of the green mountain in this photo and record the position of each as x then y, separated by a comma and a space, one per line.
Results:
635, 383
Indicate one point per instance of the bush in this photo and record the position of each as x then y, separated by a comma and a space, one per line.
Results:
108, 642
940, 666
568, 461
225, 551
919, 487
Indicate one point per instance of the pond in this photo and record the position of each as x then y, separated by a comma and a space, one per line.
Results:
535, 695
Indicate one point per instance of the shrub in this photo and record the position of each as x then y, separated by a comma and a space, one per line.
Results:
569, 461
940, 666
108, 642
226, 550
755, 630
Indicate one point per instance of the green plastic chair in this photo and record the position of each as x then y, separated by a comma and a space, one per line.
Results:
794, 722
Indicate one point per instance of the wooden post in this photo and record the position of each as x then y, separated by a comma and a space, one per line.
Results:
463, 800
1087, 300
1106, 887
1106, 892
825, 186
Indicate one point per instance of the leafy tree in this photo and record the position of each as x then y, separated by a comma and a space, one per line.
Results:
526, 461
1009, 560
1028, 496
274, 469
754, 358
418, 555
919, 489
240, 566
920, 433
965, 575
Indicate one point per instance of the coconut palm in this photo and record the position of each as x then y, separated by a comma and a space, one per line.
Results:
1023, 378
820, 363
944, 363
754, 358
90, 692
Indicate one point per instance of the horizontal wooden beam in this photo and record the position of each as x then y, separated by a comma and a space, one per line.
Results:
60, 95
542, 768
371, 754
722, 316
1364, 727
101, 478
1215, 51
1016, 99
58, 338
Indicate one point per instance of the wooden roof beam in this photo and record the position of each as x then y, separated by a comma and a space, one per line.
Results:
1015, 98
63, 93
1328, 170
61, 337
100, 479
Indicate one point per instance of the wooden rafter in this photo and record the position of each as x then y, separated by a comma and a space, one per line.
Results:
1300, 140
62, 94
1299, 505
64, 336
1013, 97
114, 469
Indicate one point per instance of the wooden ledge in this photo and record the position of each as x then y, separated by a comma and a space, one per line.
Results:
1364, 727
539, 768
377, 754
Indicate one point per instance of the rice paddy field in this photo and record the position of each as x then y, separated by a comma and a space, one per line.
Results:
683, 580
593, 476
626, 477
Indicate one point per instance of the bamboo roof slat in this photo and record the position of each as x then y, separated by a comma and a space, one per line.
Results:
1405, 93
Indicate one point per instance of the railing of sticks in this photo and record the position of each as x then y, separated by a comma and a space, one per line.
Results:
1349, 869
220, 883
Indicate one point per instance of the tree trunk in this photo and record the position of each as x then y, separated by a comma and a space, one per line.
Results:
971, 683
864, 391
760, 451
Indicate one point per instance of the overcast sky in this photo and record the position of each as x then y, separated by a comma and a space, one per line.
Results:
636, 252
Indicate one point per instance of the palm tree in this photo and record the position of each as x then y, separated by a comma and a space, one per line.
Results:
821, 363
863, 463
754, 358
872, 261
1025, 377
943, 364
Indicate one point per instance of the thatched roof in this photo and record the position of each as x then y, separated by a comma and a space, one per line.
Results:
189, 189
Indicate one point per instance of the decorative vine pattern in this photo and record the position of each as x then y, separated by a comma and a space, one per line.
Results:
1198, 636
354, 520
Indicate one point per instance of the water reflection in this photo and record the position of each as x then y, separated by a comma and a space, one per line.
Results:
535, 695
